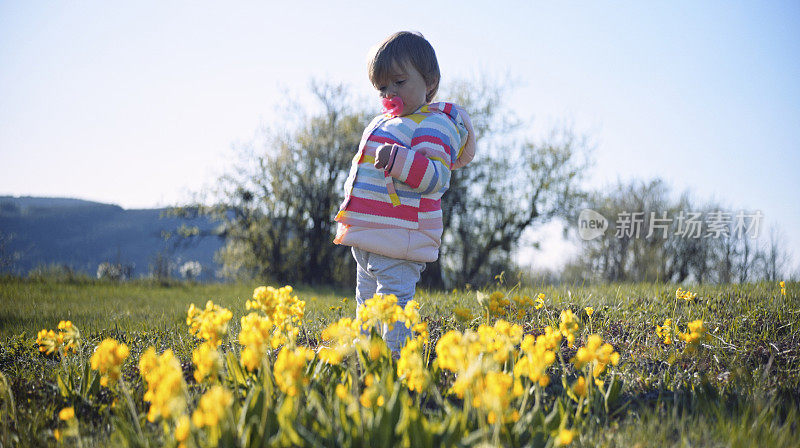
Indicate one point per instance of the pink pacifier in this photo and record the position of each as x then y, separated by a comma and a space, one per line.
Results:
393, 106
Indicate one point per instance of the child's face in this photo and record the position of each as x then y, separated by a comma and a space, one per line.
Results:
407, 83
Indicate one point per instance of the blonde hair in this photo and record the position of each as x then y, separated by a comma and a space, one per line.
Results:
401, 47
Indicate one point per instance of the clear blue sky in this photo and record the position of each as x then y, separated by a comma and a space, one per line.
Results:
139, 103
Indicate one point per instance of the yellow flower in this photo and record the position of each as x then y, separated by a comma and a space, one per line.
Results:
551, 339
498, 304
342, 332
107, 359
478, 359
666, 332
523, 302
579, 387
411, 313
495, 344
377, 349
493, 393
342, 392
282, 309
207, 362
783, 287
536, 358
568, 327
595, 354
329, 356
421, 330
696, 333
339, 337
366, 399
67, 339
212, 407
565, 437
67, 414
410, 367
70, 336
48, 341
381, 308
450, 353
165, 386
148, 362
539, 303
371, 395
685, 295
463, 314
211, 324
266, 299
589, 311
255, 336
290, 369
182, 430
500, 339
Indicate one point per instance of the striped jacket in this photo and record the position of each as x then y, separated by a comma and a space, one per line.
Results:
396, 211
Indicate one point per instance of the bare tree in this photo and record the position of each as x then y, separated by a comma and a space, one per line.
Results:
511, 185
776, 259
696, 242
629, 251
748, 257
276, 206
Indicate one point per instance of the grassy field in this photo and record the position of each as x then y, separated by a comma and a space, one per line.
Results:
96, 307
741, 387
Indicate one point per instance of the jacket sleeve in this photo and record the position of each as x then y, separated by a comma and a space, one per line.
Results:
425, 167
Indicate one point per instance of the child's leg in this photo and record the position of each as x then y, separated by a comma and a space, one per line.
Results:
366, 284
398, 277
384, 275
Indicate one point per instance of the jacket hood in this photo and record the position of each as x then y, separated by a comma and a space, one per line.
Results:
466, 151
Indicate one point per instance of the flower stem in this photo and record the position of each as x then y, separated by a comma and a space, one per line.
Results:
132, 410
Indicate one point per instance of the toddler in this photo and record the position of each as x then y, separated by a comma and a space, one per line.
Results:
391, 215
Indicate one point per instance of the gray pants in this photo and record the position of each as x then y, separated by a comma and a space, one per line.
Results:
385, 275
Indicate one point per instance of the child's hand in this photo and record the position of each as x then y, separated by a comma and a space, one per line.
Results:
382, 156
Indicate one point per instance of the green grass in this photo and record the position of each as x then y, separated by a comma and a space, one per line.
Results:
741, 387
29, 306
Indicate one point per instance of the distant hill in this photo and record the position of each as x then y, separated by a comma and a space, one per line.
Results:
82, 234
